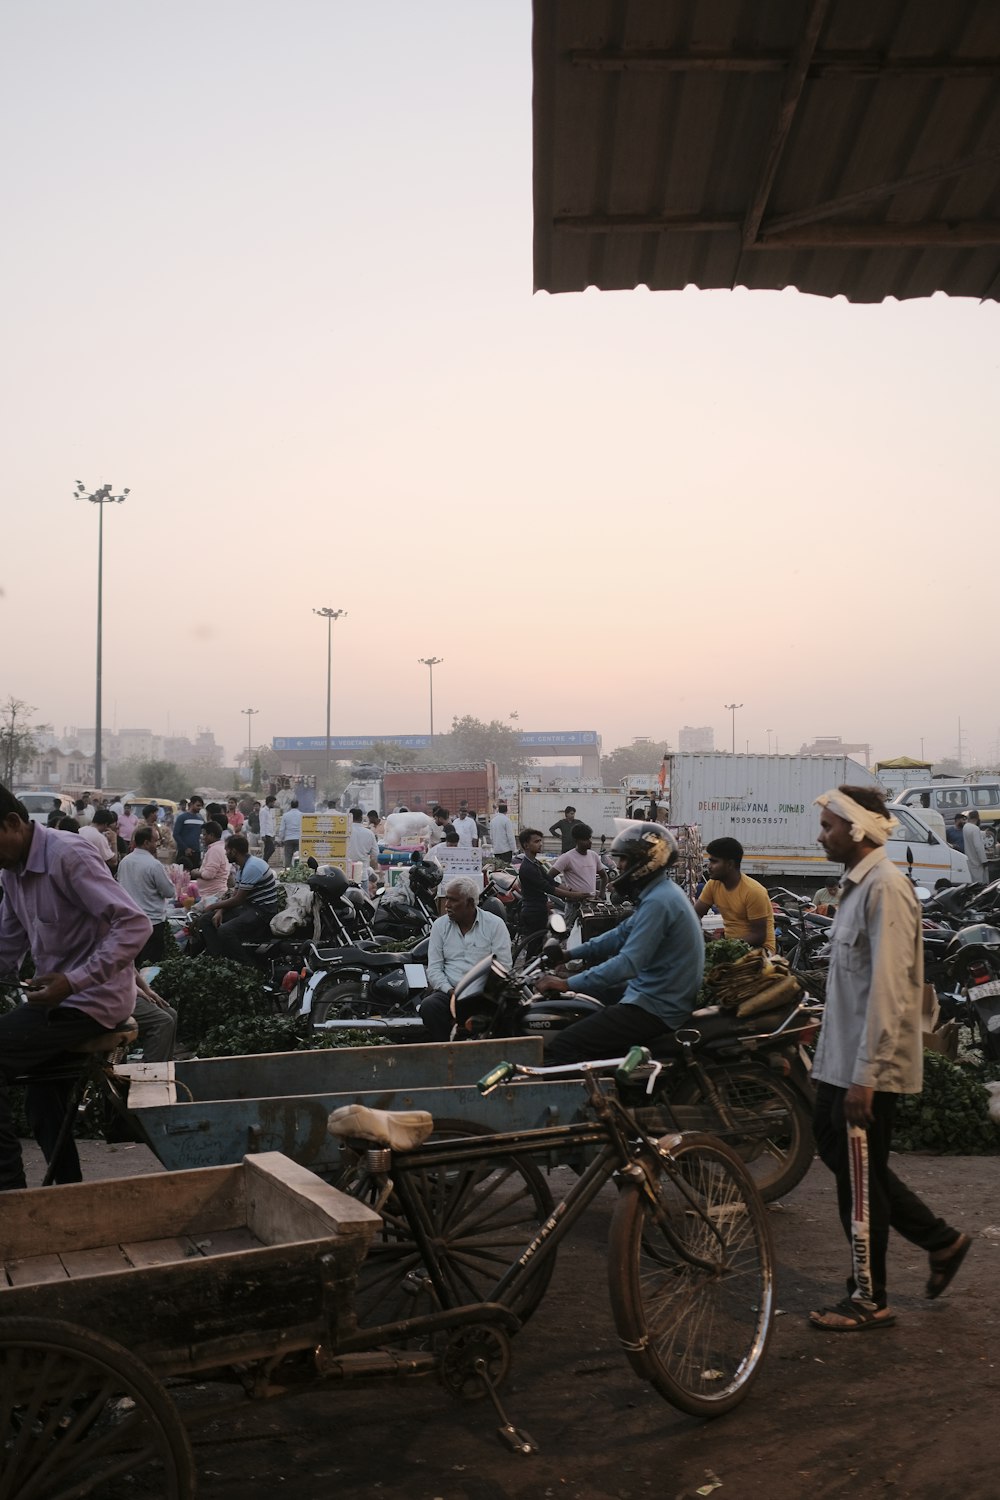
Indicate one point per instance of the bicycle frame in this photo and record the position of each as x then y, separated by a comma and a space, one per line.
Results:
619, 1158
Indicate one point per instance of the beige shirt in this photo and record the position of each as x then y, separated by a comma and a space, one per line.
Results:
872, 1032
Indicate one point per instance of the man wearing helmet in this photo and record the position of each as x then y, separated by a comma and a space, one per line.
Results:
648, 969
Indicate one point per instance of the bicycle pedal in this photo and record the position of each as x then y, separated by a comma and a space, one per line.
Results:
517, 1440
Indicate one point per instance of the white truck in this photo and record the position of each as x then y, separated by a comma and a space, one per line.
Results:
597, 807
767, 802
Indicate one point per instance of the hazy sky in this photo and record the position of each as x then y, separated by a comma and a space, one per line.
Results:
269, 265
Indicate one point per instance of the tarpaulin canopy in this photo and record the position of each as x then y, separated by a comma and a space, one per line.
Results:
903, 763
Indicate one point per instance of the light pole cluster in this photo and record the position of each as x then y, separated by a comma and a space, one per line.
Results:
329, 615
100, 498
430, 662
732, 707
249, 713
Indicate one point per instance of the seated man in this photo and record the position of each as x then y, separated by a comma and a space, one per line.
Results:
458, 940
648, 968
744, 905
244, 916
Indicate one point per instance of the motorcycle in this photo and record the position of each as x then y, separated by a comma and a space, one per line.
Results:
746, 1080
344, 987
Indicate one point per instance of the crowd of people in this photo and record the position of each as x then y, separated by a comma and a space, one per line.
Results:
86, 898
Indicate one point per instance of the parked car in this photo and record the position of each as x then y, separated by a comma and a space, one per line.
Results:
951, 797
40, 804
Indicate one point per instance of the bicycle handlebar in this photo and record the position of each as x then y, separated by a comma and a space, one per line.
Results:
625, 1067
496, 1076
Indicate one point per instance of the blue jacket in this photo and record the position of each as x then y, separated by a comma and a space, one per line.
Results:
658, 954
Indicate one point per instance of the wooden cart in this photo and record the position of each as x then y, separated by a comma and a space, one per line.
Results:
246, 1269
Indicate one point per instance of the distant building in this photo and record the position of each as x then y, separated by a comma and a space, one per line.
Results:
832, 744
698, 739
58, 768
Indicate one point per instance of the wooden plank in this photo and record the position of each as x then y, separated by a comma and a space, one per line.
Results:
229, 1242
102, 1260
35, 1270
142, 1253
288, 1203
86, 1215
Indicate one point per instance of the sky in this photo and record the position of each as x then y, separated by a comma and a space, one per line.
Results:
269, 266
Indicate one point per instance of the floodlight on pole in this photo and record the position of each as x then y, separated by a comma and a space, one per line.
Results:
732, 707
100, 498
430, 662
329, 615
249, 713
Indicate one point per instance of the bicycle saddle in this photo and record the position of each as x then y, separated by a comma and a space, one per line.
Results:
403, 1130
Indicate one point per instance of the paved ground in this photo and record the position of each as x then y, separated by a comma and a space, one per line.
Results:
909, 1412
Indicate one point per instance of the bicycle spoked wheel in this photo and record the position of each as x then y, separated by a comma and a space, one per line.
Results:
80, 1415
691, 1278
480, 1214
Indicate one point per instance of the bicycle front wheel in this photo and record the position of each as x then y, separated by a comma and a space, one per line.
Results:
691, 1278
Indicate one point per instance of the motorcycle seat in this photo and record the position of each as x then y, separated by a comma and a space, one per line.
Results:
713, 1024
370, 958
402, 1130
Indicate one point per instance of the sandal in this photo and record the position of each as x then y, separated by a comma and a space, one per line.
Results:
862, 1317
943, 1271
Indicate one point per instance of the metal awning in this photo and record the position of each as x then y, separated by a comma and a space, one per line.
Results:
844, 147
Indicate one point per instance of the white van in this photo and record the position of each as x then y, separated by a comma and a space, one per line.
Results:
933, 857
40, 804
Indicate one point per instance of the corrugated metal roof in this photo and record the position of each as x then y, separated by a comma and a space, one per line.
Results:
839, 146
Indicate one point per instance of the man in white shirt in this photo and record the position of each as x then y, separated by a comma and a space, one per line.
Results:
502, 835
975, 847
101, 833
459, 939
290, 831
362, 845
268, 828
468, 831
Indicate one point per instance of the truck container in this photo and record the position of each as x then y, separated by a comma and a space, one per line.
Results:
767, 803
418, 788
597, 808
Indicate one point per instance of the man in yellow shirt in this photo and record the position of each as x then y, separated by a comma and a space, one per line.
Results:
744, 905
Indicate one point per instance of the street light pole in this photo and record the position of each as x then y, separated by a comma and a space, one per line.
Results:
329, 615
100, 498
249, 713
430, 662
769, 734
732, 707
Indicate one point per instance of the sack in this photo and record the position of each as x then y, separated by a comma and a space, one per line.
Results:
298, 912
757, 974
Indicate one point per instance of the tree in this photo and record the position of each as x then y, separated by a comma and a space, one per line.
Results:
256, 780
633, 760
18, 737
380, 753
472, 739
163, 778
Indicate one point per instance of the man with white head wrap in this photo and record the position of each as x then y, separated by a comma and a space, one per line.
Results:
870, 1050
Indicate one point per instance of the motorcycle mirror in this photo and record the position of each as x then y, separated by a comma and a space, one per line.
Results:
923, 894
312, 863
557, 924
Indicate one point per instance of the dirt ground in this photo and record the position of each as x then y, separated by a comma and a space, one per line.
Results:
907, 1412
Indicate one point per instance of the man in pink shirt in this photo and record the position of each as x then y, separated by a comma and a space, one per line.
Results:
579, 867
61, 904
212, 876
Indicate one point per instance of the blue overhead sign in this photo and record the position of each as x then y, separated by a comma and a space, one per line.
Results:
350, 741
560, 739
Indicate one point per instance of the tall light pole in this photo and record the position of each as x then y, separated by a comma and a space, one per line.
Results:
769, 734
249, 713
100, 498
430, 662
732, 707
329, 615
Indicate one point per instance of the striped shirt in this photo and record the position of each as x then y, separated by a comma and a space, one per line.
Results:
258, 878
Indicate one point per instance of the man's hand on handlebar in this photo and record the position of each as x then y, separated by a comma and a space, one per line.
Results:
551, 982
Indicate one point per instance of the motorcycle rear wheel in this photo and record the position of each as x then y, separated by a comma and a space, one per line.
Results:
778, 1159
343, 1000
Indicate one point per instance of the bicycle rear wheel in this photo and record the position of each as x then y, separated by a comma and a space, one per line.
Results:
691, 1278
480, 1215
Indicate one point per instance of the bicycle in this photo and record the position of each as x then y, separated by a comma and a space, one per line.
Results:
690, 1256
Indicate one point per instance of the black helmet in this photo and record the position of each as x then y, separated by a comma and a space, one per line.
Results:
646, 850
426, 876
979, 935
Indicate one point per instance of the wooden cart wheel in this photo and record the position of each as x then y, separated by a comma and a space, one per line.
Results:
80, 1415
